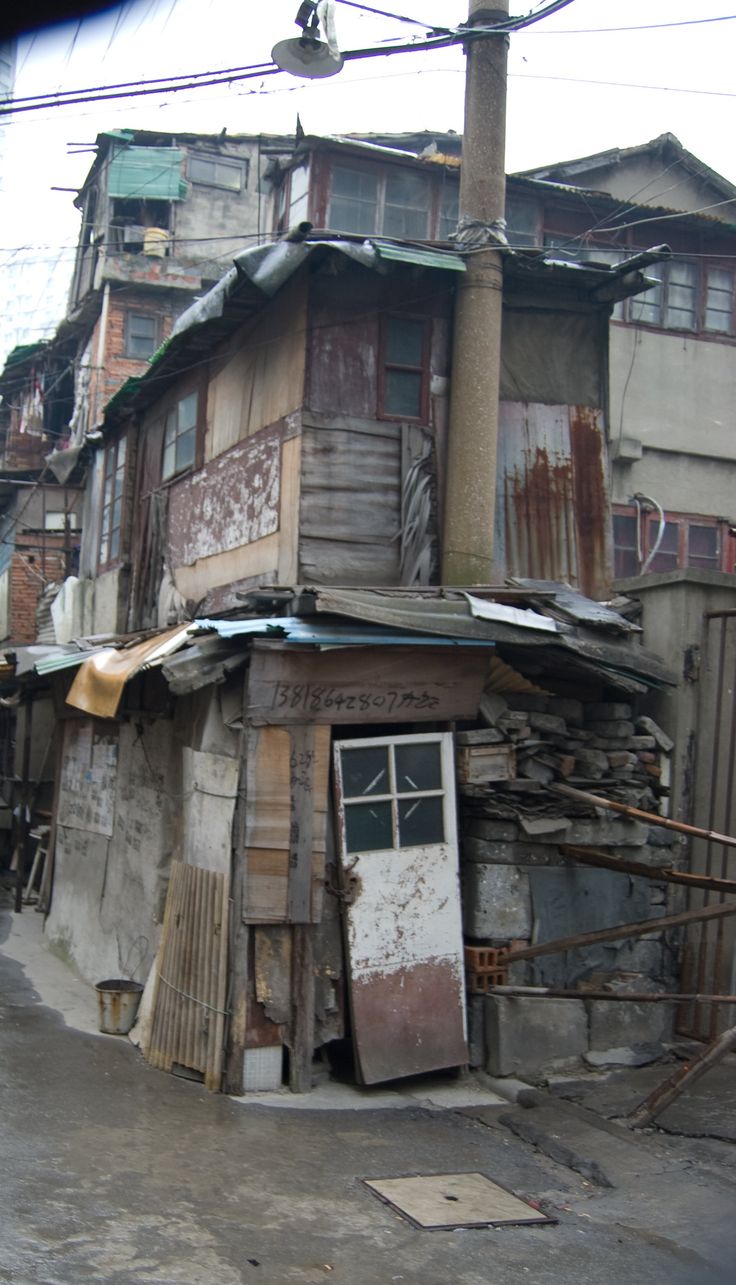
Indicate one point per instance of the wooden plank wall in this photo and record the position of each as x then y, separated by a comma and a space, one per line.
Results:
286, 815
188, 1025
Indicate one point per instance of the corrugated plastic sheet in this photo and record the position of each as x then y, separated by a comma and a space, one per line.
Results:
294, 629
147, 173
423, 257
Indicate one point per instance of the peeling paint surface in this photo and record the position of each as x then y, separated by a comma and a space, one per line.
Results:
231, 502
404, 940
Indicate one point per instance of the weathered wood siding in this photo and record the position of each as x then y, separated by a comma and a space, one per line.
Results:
355, 465
350, 513
260, 377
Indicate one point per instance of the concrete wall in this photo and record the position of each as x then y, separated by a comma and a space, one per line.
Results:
157, 799
673, 607
672, 391
652, 182
230, 218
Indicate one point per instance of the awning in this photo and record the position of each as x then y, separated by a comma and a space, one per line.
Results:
422, 256
147, 174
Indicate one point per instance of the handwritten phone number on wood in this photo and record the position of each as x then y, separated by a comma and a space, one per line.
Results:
311, 698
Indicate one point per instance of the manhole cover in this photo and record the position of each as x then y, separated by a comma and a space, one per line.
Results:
454, 1200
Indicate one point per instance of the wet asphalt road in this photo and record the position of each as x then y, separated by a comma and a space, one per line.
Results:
114, 1172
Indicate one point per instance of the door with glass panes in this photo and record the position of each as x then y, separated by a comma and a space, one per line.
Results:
399, 858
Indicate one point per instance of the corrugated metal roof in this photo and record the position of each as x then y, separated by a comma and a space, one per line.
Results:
437, 617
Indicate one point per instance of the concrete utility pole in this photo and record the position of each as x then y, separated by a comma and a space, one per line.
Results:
470, 497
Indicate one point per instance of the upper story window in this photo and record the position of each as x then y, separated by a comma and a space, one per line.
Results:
673, 303
395, 203
718, 316
449, 211
522, 221
403, 386
180, 436
686, 541
217, 171
113, 494
141, 334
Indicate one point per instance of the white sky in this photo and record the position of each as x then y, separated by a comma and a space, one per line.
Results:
554, 111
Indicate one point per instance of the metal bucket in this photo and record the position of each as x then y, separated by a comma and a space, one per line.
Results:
118, 1002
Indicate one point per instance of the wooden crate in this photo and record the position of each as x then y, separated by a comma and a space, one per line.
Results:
477, 764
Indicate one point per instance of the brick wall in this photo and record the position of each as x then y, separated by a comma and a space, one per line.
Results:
32, 567
117, 366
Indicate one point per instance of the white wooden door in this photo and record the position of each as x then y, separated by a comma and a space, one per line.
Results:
398, 851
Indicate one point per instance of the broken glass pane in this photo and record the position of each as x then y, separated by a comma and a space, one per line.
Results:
420, 821
418, 767
368, 827
365, 771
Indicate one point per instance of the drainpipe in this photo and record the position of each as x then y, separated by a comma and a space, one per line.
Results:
24, 820
100, 353
470, 497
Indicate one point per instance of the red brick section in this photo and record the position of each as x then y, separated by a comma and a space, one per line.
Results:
31, 568
117, 367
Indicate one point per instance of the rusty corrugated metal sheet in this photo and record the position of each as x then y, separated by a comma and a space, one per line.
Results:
553, 507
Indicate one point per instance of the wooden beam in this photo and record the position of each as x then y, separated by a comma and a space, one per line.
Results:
238, 953
682, 1079
595, 801
620, 933
632, 997
301, 1045
593, 857
301, 827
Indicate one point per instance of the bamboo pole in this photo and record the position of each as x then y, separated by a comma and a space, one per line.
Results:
620, 932
681, 1079
595, 801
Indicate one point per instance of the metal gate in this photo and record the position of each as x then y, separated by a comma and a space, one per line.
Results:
709, 957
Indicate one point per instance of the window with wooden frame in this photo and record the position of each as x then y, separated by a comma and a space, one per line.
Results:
180, 436
720, 297
365, 199
693, 296
113, 495
141, 334
217, 171
403, 374
687, 540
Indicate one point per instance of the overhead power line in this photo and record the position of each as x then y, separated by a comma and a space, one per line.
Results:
174, 84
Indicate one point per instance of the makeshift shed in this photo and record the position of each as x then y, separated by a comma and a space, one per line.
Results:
346, 919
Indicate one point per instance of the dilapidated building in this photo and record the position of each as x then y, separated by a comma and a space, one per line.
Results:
258, 741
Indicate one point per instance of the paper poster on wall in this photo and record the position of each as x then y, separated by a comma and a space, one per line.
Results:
89, 773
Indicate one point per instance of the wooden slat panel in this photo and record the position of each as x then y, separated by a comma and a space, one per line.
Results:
286, 817
365, 685
350, 497
188, 1013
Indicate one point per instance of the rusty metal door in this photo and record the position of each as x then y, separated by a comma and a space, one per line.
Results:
399, 858
709, 957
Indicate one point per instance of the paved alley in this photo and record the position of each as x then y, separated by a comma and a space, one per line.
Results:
115, 1172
